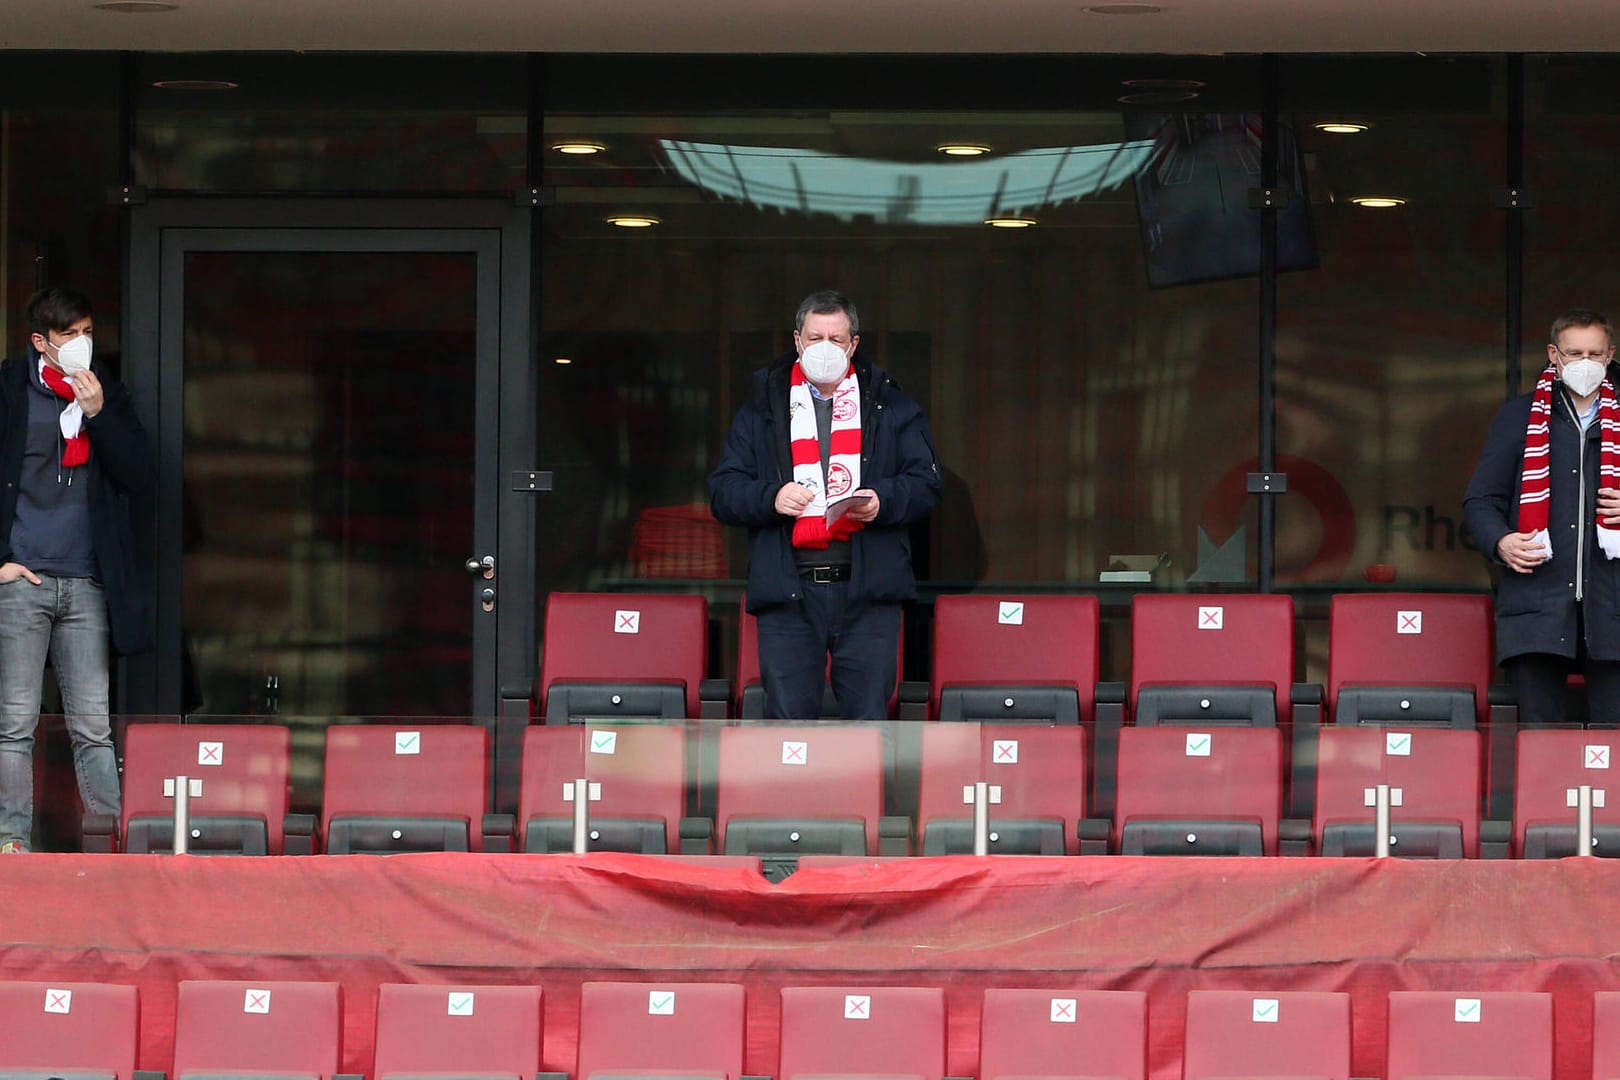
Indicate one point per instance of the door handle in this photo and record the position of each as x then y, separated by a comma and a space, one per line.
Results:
484, 567
487, 597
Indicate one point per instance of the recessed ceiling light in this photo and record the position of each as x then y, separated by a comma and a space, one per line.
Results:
633, 221
962, 149
1341, 127
563, 361
136, 7
1009, 222
195, 84
1378, 202
1125, 9
578, 146
1157, 97
1164, 84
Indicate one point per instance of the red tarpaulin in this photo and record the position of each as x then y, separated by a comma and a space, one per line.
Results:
1164, 926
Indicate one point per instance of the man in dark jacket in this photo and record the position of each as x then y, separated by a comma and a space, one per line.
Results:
72, 454
1534, 505
826, 465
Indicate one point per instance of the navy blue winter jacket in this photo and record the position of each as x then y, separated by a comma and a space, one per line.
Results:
897, 462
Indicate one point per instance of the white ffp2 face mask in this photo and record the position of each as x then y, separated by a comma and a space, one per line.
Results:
824, 362
1583, 376
74, 356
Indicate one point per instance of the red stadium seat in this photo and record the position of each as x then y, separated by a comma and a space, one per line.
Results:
887, 1031
1434, 780
460, 1031
69, 1029
1038, 792
1052, 1033
1552, 767
1189, 791
243, 806
1015, 658
790, 790
392, 788
1410, 659
750, 703
623, 656
1234, 1033
689, 1030
1212, 660
1440, 1033
1605, 1035
641, 773
289, 1029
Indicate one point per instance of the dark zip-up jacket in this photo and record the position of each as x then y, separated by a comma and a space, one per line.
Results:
897, 462
120, 470
1535, 612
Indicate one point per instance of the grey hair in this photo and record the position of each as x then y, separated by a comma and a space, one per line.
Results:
828, 302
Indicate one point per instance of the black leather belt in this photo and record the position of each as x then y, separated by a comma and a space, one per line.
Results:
825, 575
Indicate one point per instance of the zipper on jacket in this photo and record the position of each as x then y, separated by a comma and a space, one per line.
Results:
1580, 506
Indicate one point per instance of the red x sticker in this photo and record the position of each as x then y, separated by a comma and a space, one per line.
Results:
857, 1007
58, 1001
1063, 1010
1597, 757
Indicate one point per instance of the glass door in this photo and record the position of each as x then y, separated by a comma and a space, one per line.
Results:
335, 391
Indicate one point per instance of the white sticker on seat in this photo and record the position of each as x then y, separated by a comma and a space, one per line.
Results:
661, 1003
1010, 613
1004, 751
1409, 622
459, 1003
1267, 1011
1211, 618
256, 1001
58, 1001
1064, 1011
407, 742
627, 622
857, 1007
795, 753
210, 753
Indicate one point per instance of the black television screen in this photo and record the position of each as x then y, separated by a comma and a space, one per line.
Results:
1192, 198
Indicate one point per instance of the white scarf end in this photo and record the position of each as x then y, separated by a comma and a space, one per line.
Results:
1609, 541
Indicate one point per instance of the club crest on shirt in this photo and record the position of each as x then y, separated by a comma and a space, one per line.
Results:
838, 481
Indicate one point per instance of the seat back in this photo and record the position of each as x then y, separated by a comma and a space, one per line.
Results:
661, 1029
457, 1031
888, 1031
623, 638
243, 769
818, 777
1440, 1033
1221, 786
1242, 1033
750, 702
429, 782
641, 770
286, 1028
1015, 641
1100, 1033
1411, 640
1433, 775
1038, 787
68, 1027
1553, 766
1218, 641
1606, 1035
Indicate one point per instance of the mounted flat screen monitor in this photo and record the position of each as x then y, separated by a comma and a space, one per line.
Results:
1192, 198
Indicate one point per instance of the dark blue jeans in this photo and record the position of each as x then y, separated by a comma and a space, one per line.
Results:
797, 641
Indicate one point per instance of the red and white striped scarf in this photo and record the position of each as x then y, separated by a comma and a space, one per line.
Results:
75, 443
1535, 481
843, 459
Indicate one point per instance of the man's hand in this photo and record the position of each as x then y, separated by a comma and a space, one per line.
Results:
867, 509
1521, 552
792, 499
11, 571
1608, 506
87, 392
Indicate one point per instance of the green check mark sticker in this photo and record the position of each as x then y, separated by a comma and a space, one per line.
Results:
1010, 614
461, 1004
604, 742
1198, 744
1398, 744
661, 1003
407, 742
1266, 1011
1468, 1010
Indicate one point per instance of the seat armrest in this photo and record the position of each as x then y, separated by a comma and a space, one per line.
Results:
148, 1074
894, 835
714, 699
1294, 836
1501, 694
913, 700
348, 1076
1110, 717
1110, 693
550, 1076
100, 834
1094, 834
1495, 838
298, 834
697, 836
1302, 752
500, 831
1302, 693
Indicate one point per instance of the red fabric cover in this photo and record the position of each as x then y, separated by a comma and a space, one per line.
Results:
1040, 769
1510, 1035
245, 776
1160, 926
457, 1030
1243, 1033
216, 1032
671, 642
644, 775
1438, 777
1056, 642
864, 1030
1605, 1035
1174, 640
47, 1026
1454, 646
1030, 1033
447, 775
695, 1029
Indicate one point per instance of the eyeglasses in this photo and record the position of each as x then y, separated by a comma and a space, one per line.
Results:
1600, 356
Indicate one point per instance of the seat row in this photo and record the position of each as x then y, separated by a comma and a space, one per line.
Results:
698, 1030
780, 792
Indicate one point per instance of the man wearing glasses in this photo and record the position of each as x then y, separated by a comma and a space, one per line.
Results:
1544, 504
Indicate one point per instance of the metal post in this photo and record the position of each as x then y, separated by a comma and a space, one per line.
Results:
182, 789
1381, 821
981, 818
582, 816
1583, 820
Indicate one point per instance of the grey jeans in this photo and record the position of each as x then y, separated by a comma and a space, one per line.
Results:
65, 618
